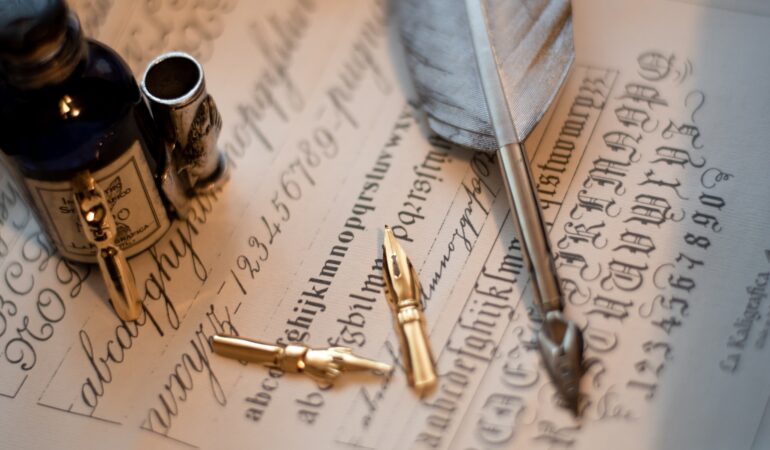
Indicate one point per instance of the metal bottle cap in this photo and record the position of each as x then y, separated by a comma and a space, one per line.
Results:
188, 118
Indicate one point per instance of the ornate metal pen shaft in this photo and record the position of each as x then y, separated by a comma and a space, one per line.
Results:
322, 364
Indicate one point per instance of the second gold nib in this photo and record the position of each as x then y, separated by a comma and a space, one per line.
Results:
402, 288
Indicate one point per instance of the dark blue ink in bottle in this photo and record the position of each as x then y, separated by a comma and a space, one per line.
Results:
69, 104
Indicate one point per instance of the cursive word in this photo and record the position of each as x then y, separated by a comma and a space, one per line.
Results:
466, 231
181, 380
274, 93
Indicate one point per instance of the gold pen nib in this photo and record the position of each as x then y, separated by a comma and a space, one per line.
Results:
398, 272
322, 364
98, 225
402, 289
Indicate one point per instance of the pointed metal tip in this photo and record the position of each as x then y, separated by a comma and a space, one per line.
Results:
398, 273
561, 344
389, 236
350, 362
390, 248
572, 403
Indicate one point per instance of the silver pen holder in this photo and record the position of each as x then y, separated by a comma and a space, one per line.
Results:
188, 118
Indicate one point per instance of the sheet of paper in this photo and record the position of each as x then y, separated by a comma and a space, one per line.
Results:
652, 170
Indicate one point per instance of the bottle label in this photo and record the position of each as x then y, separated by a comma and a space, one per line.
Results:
134, 200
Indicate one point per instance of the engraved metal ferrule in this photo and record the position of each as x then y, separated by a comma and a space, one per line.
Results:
188, 119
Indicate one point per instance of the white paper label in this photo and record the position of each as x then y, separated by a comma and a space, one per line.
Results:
133, 197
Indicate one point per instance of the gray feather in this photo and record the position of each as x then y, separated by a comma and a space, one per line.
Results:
533, 47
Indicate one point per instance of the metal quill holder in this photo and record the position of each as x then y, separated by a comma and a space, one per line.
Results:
485, 72
189, 122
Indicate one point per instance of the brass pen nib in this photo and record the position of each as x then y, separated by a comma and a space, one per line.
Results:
322, 364
402, 289
561, 344
95, 215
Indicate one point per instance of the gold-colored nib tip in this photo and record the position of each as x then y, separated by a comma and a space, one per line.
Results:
402, 289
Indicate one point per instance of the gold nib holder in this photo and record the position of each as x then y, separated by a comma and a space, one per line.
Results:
402, 288
99, 227
324, 365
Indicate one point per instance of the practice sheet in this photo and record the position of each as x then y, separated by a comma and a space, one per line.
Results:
652, 169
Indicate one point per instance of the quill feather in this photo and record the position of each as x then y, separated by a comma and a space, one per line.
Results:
532, 41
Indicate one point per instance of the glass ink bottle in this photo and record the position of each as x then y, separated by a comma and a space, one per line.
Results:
70, 106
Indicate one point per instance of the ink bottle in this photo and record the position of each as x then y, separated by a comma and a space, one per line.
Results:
69, 104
